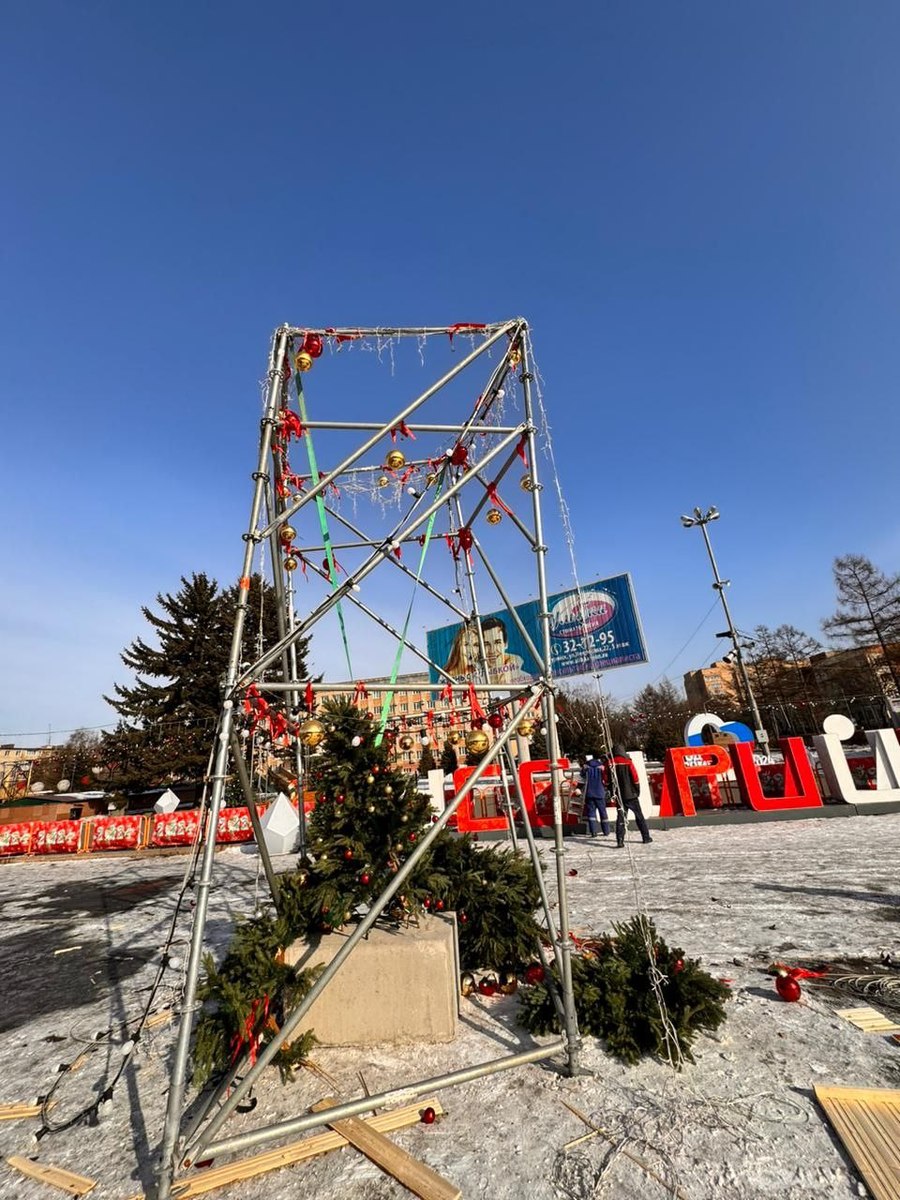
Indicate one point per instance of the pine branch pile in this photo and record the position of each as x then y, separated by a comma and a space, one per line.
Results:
249, 997
615, 999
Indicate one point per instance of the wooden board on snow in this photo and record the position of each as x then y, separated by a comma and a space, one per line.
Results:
869, 1020
867, 1120
58, 1177
409, 1171
286, 1156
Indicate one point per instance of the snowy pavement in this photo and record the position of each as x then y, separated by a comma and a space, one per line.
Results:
80, 941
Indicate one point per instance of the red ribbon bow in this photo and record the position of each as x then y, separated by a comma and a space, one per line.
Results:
495, 499
360, 693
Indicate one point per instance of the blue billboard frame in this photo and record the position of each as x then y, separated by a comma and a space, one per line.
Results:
609, 636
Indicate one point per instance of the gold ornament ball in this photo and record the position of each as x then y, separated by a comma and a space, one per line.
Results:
291, 564
454, 739
311, 732
494, 516
370, 808
430, 479
514, 356
405, 742
383, 481
288, 533
303, 361
477, 741
395, 460
525, 729
509, 983
467, 983
526, 483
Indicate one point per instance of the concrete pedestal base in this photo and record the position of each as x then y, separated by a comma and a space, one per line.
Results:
398, 985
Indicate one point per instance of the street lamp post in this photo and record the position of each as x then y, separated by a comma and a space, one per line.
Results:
703, 519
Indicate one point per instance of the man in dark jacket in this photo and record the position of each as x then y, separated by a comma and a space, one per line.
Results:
621, 778
595, 796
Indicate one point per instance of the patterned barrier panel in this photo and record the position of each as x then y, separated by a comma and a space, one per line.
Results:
174, 829
16, 838
55, 837
234, 825
114, 833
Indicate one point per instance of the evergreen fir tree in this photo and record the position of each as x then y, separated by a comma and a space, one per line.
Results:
615, 999
169, 713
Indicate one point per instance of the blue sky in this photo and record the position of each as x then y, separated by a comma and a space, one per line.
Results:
694, 205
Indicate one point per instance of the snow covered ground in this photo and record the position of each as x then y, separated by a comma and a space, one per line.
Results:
80, 940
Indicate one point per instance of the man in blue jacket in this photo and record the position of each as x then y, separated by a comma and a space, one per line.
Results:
595, 796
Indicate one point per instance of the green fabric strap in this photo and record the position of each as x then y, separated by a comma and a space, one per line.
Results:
323, 518
389, 696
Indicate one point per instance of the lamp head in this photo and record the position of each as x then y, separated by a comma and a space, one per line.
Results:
713, 514
687, 522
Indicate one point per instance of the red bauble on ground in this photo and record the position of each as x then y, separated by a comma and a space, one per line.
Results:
428, 1116
788, 988
439, 905
678, 965
571, 871
534, 973
488, 987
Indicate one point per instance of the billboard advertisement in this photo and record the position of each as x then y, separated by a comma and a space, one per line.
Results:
594, 629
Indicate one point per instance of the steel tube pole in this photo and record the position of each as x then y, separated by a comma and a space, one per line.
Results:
293, 1021
240, 766
571, 1019
189, 1004
415, 427
423, 583
401, 1095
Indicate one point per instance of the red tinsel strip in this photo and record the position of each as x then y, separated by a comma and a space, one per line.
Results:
310, 702
520, 449
460, 326
495, 499
404, 430
475, 703
250, 1036
799, 972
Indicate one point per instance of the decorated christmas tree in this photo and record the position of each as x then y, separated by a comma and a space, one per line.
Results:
367, 820
636, 994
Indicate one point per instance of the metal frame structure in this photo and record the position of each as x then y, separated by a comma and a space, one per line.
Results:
492, 442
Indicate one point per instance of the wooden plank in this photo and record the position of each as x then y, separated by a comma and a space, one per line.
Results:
286, 1156
869, 1020
409, 1171
58, 1177
867, 1120
17, 1112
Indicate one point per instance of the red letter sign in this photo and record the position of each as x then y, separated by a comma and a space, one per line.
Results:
800, 789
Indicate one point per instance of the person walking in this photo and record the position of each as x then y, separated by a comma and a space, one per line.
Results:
621, 778
595, 796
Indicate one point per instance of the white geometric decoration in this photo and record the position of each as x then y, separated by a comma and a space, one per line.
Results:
167, 802
281, 826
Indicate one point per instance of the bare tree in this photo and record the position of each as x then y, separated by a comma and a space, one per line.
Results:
868, 610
